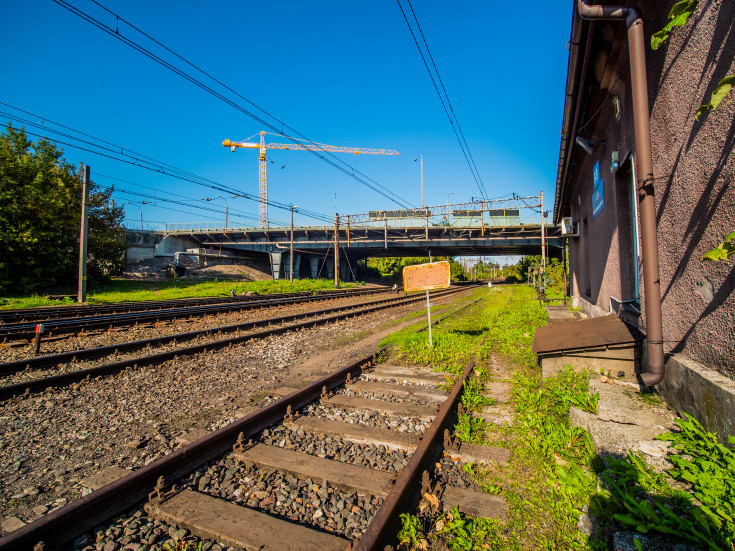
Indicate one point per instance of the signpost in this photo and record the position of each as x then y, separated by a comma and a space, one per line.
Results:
426, 277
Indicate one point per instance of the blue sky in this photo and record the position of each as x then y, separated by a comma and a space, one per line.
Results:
341, 73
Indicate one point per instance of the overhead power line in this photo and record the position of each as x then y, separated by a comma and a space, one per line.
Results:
325, 156
155, 200
121, 154
444, 99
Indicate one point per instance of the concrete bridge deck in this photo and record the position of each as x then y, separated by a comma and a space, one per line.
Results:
358, 242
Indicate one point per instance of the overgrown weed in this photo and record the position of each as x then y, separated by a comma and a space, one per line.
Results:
554, 474
135, 291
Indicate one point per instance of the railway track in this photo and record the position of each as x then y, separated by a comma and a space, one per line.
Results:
307, 471
245, 332
59, 321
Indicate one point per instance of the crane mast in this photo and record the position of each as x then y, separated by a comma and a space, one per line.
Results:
263, 165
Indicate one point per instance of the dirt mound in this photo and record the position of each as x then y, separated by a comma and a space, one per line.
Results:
162, 268
228, 271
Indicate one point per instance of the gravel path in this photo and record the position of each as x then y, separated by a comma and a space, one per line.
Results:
53, 439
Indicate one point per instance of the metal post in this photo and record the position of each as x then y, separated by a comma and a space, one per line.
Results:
37, 339
482, 216
564, 269
421, 157
336, 250
428, 313
385, 233
290, 251
542, 284
82, 290
422, 181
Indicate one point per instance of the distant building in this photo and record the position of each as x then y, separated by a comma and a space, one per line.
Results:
692, 165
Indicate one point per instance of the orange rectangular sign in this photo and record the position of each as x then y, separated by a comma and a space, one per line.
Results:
425, 277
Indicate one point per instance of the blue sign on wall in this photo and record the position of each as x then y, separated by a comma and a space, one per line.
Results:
598, 197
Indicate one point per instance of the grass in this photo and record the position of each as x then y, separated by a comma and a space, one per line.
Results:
554, 473
482, 329
546, 482
135, 291
656, 503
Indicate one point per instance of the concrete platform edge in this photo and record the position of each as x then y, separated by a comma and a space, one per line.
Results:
701, 392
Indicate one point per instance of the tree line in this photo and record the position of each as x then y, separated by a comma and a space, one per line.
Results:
40, 217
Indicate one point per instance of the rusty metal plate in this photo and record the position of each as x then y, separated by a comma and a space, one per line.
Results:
426, 277
573, 334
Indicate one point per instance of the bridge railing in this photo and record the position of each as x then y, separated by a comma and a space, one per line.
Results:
219, 226
391, 224
135, 225
445, 221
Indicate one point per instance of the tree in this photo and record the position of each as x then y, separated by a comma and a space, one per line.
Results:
40, 209
393, 266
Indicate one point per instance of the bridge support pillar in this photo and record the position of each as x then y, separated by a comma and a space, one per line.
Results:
276, 258
314, 266
296, 267
330, 269
344, 272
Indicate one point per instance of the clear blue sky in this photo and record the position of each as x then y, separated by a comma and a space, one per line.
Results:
341, 73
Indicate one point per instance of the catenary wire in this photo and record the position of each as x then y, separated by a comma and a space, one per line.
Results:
175, 202
121, 148
283, 124
218, 187
441, 99
459, 127
386, 193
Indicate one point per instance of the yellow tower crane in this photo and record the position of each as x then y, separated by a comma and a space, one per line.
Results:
263, 187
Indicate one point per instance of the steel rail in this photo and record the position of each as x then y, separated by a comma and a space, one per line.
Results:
63, 525
16, 315
27, 330
71, 324
44, 313
64, 379
405, 492
51, 360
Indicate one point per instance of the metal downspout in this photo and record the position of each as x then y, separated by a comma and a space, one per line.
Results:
639, 85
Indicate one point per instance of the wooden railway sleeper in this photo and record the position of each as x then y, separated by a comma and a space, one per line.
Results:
53, 527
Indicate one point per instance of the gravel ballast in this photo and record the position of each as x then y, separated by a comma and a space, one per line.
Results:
53, 439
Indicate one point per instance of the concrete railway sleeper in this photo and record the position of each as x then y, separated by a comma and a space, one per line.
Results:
104, 321
274, 326
289, 476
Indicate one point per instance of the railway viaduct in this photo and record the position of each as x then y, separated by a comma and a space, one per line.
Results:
418, 232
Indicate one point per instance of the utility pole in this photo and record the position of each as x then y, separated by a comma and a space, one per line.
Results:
82, 289
542, 283
336, 250
564, 269
421, 157
290, 252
